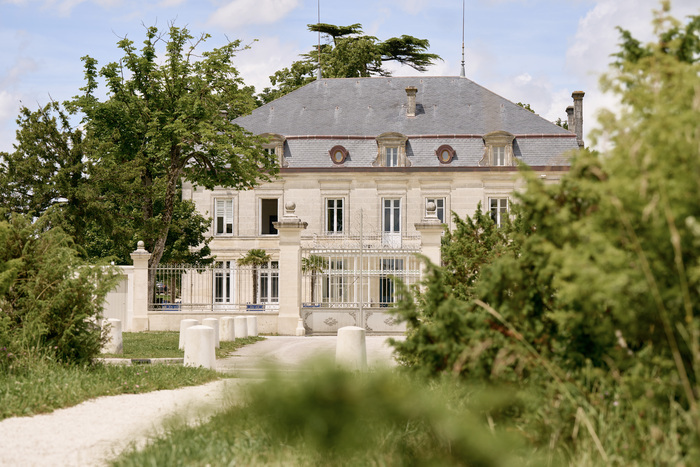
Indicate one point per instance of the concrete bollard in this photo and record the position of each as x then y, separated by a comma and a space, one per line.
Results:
227, 331
300, 330
184, 324
252, 322
351, 348
240, 327
199, 347
214, 324
114, 344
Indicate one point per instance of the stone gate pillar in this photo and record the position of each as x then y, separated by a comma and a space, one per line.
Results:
289, 229
430, 229
140, 257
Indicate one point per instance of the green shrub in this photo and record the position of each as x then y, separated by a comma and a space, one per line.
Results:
50, 301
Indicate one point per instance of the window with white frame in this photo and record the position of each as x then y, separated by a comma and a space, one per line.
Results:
390, 268
223, 282
391, 222
269, 283
334, 284
439, 207
391, 157
499, 209
499, 155
334, 215
223, 215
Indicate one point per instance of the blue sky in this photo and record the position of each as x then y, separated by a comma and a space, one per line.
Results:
533, 51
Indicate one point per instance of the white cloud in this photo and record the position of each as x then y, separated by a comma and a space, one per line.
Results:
597, 38
265, 57
244, 12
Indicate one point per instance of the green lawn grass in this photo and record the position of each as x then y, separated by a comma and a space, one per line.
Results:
42, 385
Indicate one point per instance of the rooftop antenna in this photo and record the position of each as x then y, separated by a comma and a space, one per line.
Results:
462, 72
318, 72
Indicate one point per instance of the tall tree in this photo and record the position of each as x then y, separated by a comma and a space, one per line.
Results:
348, 53
168, 119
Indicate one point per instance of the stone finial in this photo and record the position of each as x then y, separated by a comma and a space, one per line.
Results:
140, 245
289, 208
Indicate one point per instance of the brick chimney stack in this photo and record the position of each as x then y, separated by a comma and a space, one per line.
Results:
578, 116
411, 92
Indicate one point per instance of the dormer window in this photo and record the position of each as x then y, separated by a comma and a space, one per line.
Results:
338, 154
498, 150
391, 157
391, 151
275, 146
445, 153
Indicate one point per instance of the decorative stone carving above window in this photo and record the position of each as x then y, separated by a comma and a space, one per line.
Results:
338, 154
445, 154
391, 150
275, 145
498, 150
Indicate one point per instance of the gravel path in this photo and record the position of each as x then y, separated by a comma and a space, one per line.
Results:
92, 433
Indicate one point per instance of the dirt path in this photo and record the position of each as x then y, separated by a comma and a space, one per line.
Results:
95, 431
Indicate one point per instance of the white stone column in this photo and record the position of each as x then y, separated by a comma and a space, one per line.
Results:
184, 324
289, 229
214, 324
351, 348
226, 329
140, 257
115, 342
430, 229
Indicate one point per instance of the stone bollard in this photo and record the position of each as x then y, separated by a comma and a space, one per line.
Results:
351, 348
114, 343
252, 322
184, 324
227, 331
240, 327
199, 347
214, 324
300, 330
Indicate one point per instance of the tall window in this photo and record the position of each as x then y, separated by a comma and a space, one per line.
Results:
499, 155
392, 157
390, 267
391, 222
439, 207
268, 215
499, 209
334, 215
269, 286
333, 285
223, 282
224, 217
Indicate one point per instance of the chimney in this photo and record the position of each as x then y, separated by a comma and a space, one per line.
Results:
411, 92
578, 116
570, 117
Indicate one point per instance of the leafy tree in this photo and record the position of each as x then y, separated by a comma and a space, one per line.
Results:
50, 301
255, 258
165, 121
313, 265
348, 53
601, 268
526, 107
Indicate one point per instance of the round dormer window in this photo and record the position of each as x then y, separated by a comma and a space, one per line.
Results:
338, 154
445, 153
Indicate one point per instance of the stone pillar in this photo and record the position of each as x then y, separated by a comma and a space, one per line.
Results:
570, 118
140, 257
430, 229
227, 329
240, 327
199, 347
115, 342
184, 324
252, 324
351, 348
214, 324
289, 229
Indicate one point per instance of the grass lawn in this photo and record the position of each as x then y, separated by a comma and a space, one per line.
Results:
42, 386
164, 344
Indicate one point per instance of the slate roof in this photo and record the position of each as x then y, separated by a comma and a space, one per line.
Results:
368, 107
